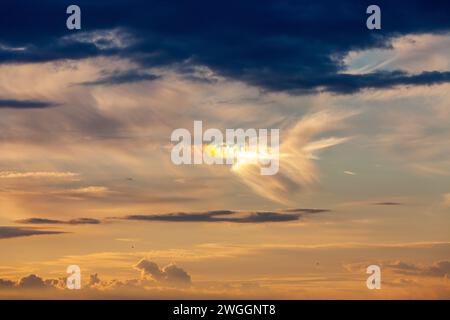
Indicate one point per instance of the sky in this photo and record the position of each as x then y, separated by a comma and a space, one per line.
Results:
86, 176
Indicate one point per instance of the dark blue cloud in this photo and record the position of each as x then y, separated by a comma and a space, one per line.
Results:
219, 216
25, 104
228, 216
116, 78
388, 204
14, 232
51, 221
282, 45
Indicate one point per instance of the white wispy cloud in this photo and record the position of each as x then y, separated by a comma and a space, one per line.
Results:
36, 174
299, 150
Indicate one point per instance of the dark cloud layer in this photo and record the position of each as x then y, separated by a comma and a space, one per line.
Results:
437, 269
295, 46
31, 281
305, 210
51, 221
284, 215
388, 204
6, 284
123, 77
228, 216
25, 104
170, 276
15, 232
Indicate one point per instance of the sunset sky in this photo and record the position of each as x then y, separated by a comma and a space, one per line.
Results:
86, 176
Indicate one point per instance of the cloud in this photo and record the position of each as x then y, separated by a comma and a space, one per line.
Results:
300, 146
388, 203
90, 190
14, 232
152, 275
25, 104
306, 210
170, 274
31, 282
155, 281
94, 280
422, 139
5, 284
413, 53
276, 45
150, 268
51, 221
228, 216
121, 77
348, 84
102, 39
437, 269
82, 192
37, 174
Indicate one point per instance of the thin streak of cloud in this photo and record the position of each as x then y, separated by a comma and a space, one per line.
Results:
228, 216
25, 104
36, 174
119, 77
78, 221
90, 190
15, 232
388, 204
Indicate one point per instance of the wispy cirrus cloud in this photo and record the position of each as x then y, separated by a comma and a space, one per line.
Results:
36, 174
298, 150
414, 53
